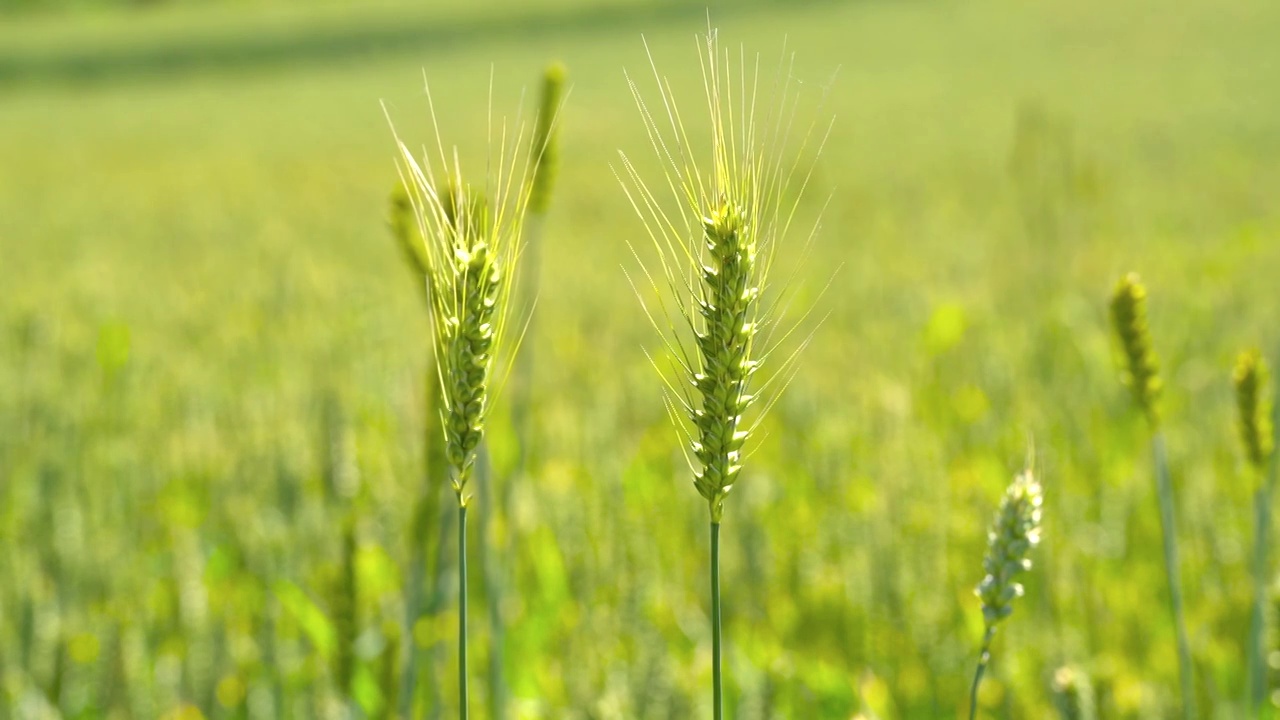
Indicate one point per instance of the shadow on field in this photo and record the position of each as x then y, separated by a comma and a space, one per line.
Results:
167, 57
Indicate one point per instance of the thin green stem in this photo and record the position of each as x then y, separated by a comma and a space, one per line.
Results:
983, 659
1256, 672
1168, 529
462, 612
716, 678
491, 568
434, 607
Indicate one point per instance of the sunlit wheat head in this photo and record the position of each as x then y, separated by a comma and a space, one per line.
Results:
716, 219
472, 239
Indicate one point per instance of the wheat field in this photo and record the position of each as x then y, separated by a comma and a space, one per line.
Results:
213, 364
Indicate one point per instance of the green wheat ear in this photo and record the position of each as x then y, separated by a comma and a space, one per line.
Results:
715, 238
1250, 378
546, 140
1129, 315
470, 240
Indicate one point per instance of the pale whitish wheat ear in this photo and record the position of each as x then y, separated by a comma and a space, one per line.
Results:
1014, 532
471, 236
716, 221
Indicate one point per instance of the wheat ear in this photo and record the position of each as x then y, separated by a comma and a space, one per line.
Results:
1014, 531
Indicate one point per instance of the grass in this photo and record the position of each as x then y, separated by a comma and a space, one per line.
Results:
190, 262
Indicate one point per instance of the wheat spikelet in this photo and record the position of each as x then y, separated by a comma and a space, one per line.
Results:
1129, 315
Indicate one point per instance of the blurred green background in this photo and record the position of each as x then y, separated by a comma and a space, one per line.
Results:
212, 361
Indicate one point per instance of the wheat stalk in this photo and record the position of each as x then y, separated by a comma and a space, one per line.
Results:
1255, 424
1129, 316
471, 238
1014, 531
715, 240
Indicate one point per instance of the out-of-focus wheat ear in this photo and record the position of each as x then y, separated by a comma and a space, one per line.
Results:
1254, 408
546, 151
546, 141
404, 228
1014, 531
1073, 694
1129, 316
1254, 421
